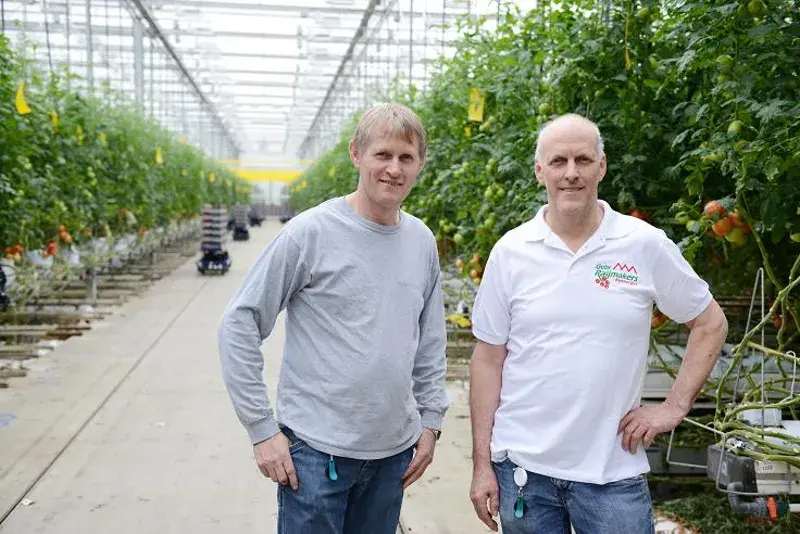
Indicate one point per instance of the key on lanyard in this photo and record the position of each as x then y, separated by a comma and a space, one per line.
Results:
331, 469
520, 479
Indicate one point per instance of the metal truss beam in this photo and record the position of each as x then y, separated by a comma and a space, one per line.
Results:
155, 29
99, 30
349, 54
301, 10
194, 54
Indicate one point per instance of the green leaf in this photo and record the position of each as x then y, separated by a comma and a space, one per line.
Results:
772, 168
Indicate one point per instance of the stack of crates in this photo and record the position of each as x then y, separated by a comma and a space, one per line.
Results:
241, 216
258, 211
215, 257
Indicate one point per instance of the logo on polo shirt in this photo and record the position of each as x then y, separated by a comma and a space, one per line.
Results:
620, 273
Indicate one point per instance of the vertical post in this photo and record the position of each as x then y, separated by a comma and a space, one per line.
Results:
410, 46
91, 286
89, 47
67, 38
444, 8
152, 81
425, 53
138, 62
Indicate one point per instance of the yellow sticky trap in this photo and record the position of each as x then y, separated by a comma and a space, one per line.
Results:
467, 131
79, 133
627, 34
159, 156
22, 106
459, 320
476, 101
54, 119
102, 138
211, 177
182, 140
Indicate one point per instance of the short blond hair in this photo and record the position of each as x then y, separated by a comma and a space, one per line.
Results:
392, 119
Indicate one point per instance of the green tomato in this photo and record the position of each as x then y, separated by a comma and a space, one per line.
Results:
725, 61
756, 8
716, 157
734, 127
736, 236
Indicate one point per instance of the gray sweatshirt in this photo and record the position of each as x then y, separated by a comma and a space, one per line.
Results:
364, 359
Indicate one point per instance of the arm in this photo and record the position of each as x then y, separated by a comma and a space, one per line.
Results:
249, 319
430, 371
485, 378
491, 325
685, 298
430, 363
708, 334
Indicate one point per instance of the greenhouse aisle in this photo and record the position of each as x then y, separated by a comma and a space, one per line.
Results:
164, 453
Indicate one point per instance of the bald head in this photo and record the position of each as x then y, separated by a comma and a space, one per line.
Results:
568, 127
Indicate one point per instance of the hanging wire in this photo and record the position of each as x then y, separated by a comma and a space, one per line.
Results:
69, 47
47, 38
107, 22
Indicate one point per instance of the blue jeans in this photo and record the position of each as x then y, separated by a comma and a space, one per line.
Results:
551, 505
365, 499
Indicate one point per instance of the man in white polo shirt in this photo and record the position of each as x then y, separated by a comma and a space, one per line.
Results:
562, 319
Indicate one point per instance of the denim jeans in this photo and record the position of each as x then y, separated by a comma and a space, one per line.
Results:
365, 499
551, 505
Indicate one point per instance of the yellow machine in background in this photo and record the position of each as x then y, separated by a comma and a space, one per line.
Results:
270, 179
266, 171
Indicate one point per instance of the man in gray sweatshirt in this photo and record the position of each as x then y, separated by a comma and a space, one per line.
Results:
360, 397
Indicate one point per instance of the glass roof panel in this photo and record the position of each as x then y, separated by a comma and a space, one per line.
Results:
277, 77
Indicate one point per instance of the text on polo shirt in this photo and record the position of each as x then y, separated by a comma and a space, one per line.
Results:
621, 273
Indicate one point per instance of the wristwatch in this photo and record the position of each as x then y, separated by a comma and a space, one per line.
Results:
437, 433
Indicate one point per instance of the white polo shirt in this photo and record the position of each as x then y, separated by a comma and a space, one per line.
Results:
576, 328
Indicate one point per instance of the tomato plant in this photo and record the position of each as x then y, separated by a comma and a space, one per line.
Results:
73, 168
697, 104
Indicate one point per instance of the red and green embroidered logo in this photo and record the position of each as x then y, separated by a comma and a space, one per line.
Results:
620, 273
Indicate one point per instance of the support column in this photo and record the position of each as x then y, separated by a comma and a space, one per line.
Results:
89, 48
138, 62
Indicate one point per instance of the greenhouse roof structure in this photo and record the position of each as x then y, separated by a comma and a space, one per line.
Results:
275, 78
